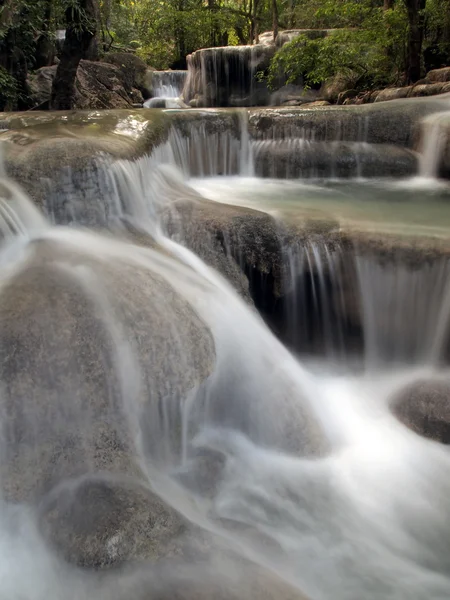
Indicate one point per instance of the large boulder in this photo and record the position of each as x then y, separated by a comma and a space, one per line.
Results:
100, 523
98, 354
135, 73
98, 85
336, 85
40, 86
429, 89
101, 85
393, 94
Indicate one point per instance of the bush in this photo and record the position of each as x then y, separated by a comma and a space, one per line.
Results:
371, 54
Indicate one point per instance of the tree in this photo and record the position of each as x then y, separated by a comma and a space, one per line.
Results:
416, 20
275, 23
81, 26
21, 23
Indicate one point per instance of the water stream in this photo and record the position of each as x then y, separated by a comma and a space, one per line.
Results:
294, 464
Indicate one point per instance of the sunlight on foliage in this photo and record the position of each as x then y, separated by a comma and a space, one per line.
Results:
368, 51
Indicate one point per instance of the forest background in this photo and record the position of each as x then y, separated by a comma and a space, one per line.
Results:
376, 43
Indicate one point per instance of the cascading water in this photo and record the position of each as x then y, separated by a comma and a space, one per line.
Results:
167, 87
147, 374
435, 138
227, 76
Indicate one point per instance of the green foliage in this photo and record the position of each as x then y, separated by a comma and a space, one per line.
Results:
437, 39
368, 51
167, 30
8, 90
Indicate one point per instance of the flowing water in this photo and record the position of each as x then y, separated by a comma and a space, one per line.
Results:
167, 88
318, 483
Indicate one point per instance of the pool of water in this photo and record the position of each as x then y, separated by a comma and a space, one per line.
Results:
414, 206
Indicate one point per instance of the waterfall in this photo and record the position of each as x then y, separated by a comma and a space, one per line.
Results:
227, 76
332, 297
395, 296
137, 386
288, 149
167, 87
435, 137
315, 311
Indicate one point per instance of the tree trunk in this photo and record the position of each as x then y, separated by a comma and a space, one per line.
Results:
388, 4
45, 45
291, 14
416, 20
92, 52
81, 29
254, 20
275, 19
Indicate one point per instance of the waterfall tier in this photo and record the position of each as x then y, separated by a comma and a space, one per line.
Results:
227, 76
167, 87
157, 438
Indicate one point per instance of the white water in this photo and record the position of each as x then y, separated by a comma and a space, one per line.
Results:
435, 137
167, 88
322, 485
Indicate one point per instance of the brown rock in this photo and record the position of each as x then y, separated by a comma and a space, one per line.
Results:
392, 94
430, 89
134, 71
346, 95
334, 86
98, 85
315, 104
439, 75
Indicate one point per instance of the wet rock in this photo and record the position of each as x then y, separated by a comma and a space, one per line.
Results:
70, 149
332, 159
424, 407
101, 85
94, 351
242, 244
315, 104
444, 166
366, 97
40, 86
427, 88
292, 94
98, 523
